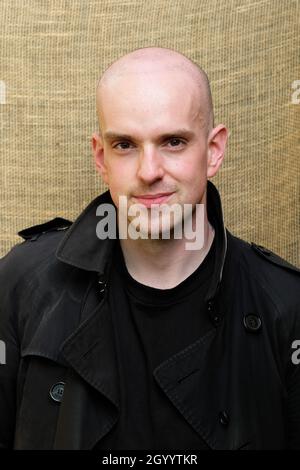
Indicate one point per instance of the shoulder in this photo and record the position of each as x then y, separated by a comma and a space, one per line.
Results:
275, 276
258, 256
275, 260
39, 244
22, 271
34, 232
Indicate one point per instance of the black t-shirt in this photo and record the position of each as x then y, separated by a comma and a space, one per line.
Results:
150, 326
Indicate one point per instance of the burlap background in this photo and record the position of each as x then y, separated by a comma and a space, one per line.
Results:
51, 54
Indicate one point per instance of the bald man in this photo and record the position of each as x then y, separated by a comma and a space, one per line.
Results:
146, 324
157, 139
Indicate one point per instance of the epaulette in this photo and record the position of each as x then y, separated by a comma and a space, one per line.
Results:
273, 258
32, 233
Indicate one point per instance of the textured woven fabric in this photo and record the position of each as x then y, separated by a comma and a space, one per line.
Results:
51, 55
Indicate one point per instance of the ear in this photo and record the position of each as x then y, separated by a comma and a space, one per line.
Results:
98, 152
216, 149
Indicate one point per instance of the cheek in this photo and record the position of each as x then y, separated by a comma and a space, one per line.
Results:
119, 177
190, 171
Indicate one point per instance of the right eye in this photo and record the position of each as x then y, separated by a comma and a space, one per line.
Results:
124, 145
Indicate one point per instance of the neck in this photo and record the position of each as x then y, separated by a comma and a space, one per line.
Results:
163, 264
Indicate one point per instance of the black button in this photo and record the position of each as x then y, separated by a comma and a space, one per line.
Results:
224, 418
57, 391
252, 322
217, 320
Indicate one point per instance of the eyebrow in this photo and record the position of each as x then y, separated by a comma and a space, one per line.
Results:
110, 135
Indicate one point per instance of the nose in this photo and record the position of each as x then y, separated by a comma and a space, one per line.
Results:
150, 165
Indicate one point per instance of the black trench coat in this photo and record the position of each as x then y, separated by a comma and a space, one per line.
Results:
237, 386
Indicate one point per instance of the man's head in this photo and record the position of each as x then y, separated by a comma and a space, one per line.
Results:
156, 128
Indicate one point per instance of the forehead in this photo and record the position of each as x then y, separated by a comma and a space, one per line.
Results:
146, 98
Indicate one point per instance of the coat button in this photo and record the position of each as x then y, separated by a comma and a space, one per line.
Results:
217, 320
215, 317
252, 322
224, 418
57, 391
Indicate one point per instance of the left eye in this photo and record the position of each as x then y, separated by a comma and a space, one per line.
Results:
175, 142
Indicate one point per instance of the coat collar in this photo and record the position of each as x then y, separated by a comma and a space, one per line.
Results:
82, 248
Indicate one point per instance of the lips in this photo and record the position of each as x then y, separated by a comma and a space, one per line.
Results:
148, 199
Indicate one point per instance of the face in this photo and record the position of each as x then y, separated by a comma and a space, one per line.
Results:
154, 146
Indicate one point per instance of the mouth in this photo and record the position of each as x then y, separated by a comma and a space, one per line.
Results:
148, 199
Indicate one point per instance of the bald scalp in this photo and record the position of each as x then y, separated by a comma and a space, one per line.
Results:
154, 59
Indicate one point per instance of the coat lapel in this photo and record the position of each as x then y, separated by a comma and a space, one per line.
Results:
91, 353
85, 416
196, 382
81, 339
91, 406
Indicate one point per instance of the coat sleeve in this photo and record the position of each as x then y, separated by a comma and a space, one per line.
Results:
294, 411
11, 286
289, 333
19, 276
293, 383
